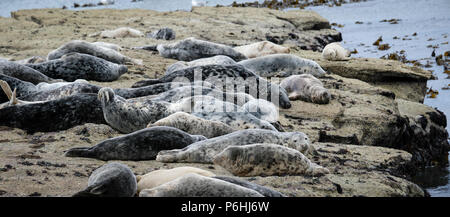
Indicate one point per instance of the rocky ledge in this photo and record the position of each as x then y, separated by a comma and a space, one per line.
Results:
372, 136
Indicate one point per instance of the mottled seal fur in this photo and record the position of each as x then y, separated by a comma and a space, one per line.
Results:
140, 145
191, 49
282, 65
161, 176
266, 192
307, 88
55, 93
215, 60
204, 151
334, 51
22, 87
44, 86
266, 160
73, 66
194, 125
163, 33
22, 72
261, 48
110, 180
33, 59
78, 46
121, 32
193, 185
226, 76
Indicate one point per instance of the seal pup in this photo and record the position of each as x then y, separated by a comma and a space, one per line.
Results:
164, 33
121, 32
306, 88
266, 160
215, 60
23, 88
60, 92
334, 52
110, 180
84, 47
140, 145
194, 185
262, 109
235, 76
266, 192
282, 65
194, 125
161, 176
191, 49
108, 45
74, 66
140, 89
23, 72
261, 48
204, 151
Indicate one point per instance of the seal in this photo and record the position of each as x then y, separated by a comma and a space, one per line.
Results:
54, 92
306, 88
22, 72
164, 33
140, 89
33, 59
261, 48
215, 60
194, 185
282, 65
236, 76
44, 86
108, 45
12, 96
54, 115
194, 125
23, 88
73, 66
78, 46
266, 160
110, 180
161, 176
204, 151
266, 192
191, 49
262, 109
334, 52
140, 145
121, 32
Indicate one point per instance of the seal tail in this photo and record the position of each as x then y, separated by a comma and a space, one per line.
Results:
79, 152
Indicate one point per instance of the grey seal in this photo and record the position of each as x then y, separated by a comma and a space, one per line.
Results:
334, 52
282, 65
140, 145
215, 60
163, 33
306, 88
191, 49
266, 160
204, 151
266, 192
73, 66
23, 88
110, 180
194, 185
23, 73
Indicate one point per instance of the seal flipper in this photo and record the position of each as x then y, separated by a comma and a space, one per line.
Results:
98, 190
6, 88
80, 152
170, 156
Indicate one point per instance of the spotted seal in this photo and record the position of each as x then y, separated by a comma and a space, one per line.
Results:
282, 65
194, 185
23, 72
108, 45
191, 49
334, 51
215, 60
204, 151
194, 125
140, 145
84, 47
226, 76
110, 180
161, 176
307, 88
74, 66
261, 48
266, 160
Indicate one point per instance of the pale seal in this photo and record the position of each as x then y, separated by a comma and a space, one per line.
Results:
44, 86
110, 180
191, 49
306, 88
282, 65
78, 46
261, 48
73, 66
108, 45
215, 60
161, 176
225, 76
140, 145
121, 32
266, 160
262, 109
266, 192
194, 125
193, 185
204, 151
22, 72
334, 51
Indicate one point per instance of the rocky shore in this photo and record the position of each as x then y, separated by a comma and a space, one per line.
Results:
372, 136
